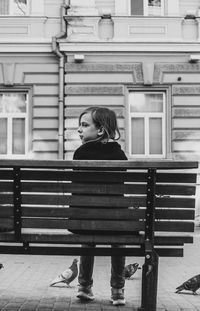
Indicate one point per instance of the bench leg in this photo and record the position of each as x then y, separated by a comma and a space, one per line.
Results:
149, 283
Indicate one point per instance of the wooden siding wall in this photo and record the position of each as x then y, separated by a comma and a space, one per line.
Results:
39, 75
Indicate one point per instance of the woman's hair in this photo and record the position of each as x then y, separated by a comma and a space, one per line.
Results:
106, 119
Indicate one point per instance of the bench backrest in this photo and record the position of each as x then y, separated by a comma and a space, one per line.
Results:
113, 198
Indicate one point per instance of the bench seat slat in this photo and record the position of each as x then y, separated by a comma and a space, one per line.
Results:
175, 226
174, 214
175, 202
85, 213
107, 213
173, 240
103, 188
64, 236
42, 237
83, 176
6, 210
84, 200
81, 239
106, 188
6, 198
6, 186
32, 211
115, 201
115, 177
83, 225
169, 252
50, 250
6, 224
100, 164
6, 174
176, 178
175, 190
84, 188
97, 251
125, 226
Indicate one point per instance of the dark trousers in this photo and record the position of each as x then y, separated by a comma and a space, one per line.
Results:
117, 279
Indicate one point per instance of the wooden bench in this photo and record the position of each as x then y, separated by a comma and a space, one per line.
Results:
41, 200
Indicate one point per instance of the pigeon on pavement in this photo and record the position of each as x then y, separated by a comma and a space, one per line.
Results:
193, 284
131, 269
68, 275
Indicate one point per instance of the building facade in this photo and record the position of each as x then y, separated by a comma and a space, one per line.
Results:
29, 83
138, 57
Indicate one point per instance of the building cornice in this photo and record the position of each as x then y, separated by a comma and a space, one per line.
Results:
127, 47
24, 46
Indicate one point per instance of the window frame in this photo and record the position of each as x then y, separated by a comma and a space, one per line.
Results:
166, 126
146, 11
11, 9
28, 125
145, 8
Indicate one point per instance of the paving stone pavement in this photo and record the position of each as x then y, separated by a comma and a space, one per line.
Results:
25, 279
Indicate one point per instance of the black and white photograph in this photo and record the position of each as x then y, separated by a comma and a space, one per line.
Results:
99, 155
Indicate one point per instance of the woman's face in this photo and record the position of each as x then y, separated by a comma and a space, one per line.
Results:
87, 129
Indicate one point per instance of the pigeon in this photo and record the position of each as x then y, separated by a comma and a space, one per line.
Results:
193, 284
68, 275
131, 269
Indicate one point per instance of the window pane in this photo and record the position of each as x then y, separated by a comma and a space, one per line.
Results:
156, 3
155, 135
137, 134
18, 145
146, 102
3, 136
4, 7
154, 7
19, 7
12, 102
137, 7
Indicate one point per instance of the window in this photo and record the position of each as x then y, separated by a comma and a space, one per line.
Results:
154, 7
13, 124
147, 7
147, 124
14, 7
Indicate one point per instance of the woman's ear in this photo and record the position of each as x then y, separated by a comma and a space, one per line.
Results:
101, 131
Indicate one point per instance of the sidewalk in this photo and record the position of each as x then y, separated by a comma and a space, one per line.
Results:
24, 283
